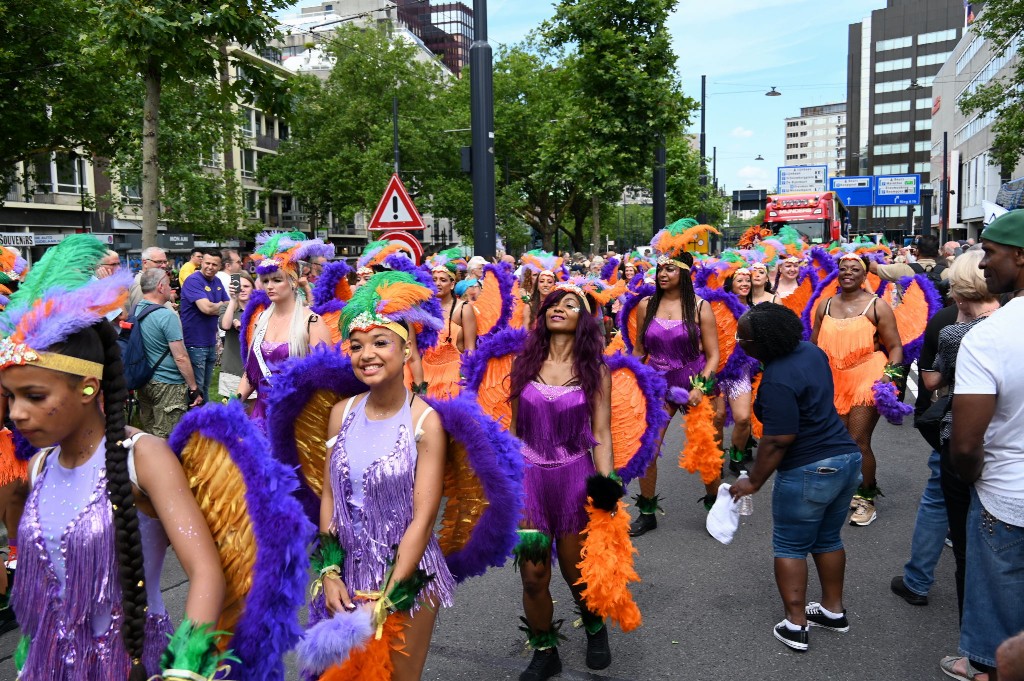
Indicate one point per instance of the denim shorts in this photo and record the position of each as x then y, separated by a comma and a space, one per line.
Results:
810, 503
993, 585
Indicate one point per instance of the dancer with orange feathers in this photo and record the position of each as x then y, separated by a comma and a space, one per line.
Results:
442, 363
561, 411
679, 337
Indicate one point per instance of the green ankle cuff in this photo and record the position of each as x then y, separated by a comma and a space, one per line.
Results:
869, 493
542, 640
648, 505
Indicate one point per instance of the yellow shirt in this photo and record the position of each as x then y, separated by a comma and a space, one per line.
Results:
186, 269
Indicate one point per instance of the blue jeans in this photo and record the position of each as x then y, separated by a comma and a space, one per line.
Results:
810, 503
994, 584
203, 359
929, 533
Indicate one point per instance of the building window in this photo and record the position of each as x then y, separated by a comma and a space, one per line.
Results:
968, 55
973, 127
792, 146
925, 124
994, 65
890, 128
892, 86
803, 133
924, 103
792, 134
245, 122
210, 159
923, 167
923, 145
804, 145
60, 173
883, 149
937, 37
894, 43
248, 163
892, 65
933, 59
790, 157
892, 107
792, 124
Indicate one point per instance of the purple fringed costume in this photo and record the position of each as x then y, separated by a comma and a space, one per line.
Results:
372, 482
274, 355
667, 344
67, 597
554, 426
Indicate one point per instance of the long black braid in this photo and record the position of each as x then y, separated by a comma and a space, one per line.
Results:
99, 344
688, 298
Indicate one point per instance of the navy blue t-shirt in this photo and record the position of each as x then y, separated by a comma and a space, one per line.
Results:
796, 398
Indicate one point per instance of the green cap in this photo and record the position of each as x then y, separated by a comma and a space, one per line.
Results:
1007, 229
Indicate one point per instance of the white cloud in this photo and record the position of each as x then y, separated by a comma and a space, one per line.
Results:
740, 131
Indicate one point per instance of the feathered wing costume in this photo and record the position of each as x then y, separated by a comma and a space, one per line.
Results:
482, 484
330, 293
494, 305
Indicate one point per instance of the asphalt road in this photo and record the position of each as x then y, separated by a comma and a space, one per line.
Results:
709, 609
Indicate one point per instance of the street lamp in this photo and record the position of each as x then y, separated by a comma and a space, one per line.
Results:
759, 158
773, 92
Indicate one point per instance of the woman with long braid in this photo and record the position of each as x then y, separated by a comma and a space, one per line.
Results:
679, 337
102, 505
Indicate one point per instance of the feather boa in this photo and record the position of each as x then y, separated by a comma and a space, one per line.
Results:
701, 452
372, 662
606, 567
258, 302
322, 369
474, 364
631, 302
332, 289
329, 642
269, 625
652, 385
610, 271
888, 404
497, 463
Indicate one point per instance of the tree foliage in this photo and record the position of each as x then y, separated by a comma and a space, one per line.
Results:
1002, 22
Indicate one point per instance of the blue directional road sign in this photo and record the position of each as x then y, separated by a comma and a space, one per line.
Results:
853, 191
897, 190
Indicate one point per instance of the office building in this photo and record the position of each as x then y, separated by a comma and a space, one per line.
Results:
894, 56
818, 137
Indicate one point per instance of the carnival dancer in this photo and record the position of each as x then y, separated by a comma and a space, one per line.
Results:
735, 380
760, 288
861, 338
548, 269
441, 363
678, 337
278, 325
102, 505
561, 404
384, 474
788, 275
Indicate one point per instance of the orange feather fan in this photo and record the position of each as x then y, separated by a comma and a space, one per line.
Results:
798, 299
701, 452
756, 427
606, 567
372, 661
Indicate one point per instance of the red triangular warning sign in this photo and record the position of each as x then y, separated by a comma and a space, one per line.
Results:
396, 209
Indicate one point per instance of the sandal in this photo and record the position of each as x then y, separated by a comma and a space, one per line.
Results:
948, 663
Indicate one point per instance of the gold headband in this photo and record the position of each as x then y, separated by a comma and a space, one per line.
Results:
19, 354
793, 259
741, 270
365, 321
666, 260
576, 290
759, 266
850, 256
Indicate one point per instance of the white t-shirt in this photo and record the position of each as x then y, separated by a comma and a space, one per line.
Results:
990, 363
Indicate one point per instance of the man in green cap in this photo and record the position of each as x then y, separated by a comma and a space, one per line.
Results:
987, 450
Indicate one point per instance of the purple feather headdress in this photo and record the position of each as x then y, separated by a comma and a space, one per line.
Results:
269, 625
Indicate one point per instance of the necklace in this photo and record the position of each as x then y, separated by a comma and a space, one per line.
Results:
387, 412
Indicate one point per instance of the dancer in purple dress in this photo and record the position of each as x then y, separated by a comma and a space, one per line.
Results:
102, 507
561, 410
678, 337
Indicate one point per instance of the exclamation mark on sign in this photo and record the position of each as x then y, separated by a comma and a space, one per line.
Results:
394, 207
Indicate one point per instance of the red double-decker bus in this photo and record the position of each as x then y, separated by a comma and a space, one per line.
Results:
820, 216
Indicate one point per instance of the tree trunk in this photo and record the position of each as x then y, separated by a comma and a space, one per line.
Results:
595, 244
150, 160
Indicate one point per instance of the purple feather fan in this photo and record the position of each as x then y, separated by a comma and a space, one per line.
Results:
474, 364
822, 258
300, 378
629, 304
269, 625
912, 350
609, 268
653, 386
506, 282
329, 642
427, 338
323, 291
495, 458
888, 404
60, 313
258, 302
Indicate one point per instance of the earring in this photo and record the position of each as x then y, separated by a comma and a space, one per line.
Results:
88, 391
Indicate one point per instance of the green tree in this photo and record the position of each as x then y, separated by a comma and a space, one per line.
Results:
1001, 22
339, 157
625, 72
187, 41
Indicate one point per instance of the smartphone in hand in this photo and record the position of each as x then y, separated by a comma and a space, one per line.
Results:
236, 284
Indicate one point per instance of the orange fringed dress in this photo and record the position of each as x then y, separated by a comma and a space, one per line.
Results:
442, 364
856, 365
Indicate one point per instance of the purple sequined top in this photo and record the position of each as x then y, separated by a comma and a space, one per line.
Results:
274, 355
554, 425
380, 458
67, 596
667, 343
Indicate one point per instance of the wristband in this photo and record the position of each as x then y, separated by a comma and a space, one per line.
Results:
896, 372
419, 388
706, 384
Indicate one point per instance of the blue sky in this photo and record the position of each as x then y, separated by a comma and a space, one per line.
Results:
744, 47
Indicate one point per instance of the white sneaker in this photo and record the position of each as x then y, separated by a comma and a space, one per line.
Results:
863, 511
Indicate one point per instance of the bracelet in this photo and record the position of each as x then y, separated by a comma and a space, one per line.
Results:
419, 388
896, 372
706, 384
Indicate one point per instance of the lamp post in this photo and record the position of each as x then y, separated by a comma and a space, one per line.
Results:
481, 87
